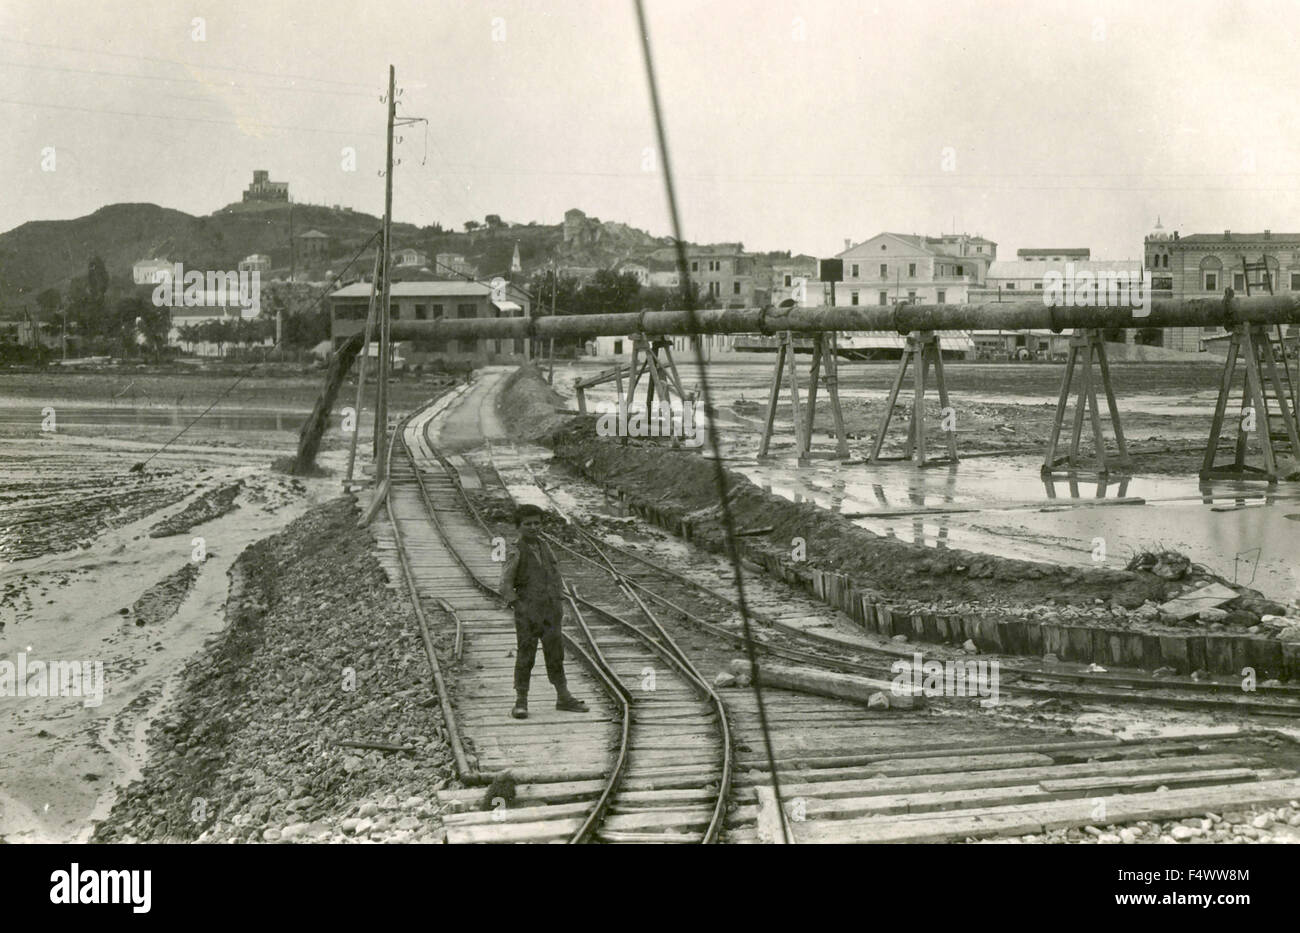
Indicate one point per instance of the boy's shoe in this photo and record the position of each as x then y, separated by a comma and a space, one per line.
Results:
569, 703
520, 710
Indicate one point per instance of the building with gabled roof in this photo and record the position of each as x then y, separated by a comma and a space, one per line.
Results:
312, 245
430, 301
893, 268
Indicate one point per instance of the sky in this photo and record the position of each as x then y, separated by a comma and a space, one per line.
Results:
792, 124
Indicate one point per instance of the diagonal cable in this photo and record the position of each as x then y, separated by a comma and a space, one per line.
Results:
719, 472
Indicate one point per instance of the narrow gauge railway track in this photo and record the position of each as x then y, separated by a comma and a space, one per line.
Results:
794, 642
852, 774
785, 633
661, 776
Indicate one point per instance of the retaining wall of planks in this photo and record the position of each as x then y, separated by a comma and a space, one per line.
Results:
1219, 653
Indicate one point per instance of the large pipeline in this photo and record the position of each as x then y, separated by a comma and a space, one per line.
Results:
904, 318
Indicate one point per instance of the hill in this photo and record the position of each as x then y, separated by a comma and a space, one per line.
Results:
50, 254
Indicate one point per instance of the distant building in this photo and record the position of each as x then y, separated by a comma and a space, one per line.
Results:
410, 257
1070, 254
263, 189
686, 350
797, 279
257, 262
430, 301
726, 275
23, 327
454, 264
894, 268
216, 306
151, 271
1156, 257
312, 245
663, 273
1027, 276
1202, 265
641, 272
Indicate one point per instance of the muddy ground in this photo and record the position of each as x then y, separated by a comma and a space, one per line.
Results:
1000, 408
266, 387
682, 484
81, 579
317, 650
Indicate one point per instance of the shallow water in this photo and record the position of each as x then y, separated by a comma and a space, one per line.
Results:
16, 413
1240, 530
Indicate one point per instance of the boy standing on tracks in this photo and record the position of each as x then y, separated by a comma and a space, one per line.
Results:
530, 584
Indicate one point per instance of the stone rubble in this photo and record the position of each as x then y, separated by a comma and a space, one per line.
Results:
1258, 824
318, 648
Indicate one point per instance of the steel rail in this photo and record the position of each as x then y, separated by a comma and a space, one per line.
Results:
603, 672
464, 768
1133, 680
1019, 680
684, 662
624, 696
791, 654
692, 676
672, 654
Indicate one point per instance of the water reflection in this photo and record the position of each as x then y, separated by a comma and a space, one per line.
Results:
1072, 484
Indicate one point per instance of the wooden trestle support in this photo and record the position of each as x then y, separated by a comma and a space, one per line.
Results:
1252, 343
1086, 346
921, 352
824, 368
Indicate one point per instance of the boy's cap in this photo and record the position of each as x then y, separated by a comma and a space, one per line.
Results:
528, 510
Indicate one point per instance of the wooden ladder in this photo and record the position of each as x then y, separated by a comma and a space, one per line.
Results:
1255, 346
1282, 398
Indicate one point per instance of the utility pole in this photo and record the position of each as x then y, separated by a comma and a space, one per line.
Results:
381, 396
293, 253
361, 370
528, 316
551, 376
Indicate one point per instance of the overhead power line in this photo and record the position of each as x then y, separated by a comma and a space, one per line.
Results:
185, 64
191, 80
185, 119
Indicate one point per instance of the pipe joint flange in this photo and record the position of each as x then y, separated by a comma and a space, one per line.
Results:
1229, 315
1051, 321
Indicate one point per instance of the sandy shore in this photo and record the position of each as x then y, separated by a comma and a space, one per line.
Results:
71, 500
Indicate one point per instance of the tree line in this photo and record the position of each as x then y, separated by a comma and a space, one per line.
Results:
606, 292
100, 315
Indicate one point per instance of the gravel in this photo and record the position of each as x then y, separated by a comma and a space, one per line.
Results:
317, 649
1256, 825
